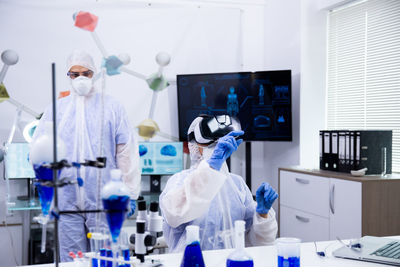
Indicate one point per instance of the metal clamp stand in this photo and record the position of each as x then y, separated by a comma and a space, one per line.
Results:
55, 166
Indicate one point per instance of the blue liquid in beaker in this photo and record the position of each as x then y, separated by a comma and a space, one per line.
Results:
103, 254
193, 256
233, 263
118, 206
289, 262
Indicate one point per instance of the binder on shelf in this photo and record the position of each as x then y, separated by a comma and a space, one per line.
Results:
326, 155
334, 156
344, 150
321, 149
347, 153
374, 150
351, 151
357, 151
342, 167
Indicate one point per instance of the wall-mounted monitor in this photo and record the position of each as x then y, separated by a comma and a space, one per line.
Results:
161, 158
261, 100
16, 163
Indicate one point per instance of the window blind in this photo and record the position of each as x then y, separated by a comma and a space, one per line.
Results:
363, 72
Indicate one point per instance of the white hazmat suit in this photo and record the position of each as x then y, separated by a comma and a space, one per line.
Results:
213, 200
80, 122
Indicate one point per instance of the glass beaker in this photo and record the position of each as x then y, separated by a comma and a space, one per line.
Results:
288, 250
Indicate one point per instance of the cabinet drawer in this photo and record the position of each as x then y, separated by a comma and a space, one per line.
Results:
305, 192
306, 226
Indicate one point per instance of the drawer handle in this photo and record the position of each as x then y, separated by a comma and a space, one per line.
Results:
302, 181
332, 199
302, 219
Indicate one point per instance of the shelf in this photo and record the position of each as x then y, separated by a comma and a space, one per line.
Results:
24, 204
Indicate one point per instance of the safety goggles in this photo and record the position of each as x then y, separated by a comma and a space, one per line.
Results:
75, 74
213, 127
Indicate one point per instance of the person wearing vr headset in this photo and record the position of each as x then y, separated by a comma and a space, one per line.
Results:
209, 196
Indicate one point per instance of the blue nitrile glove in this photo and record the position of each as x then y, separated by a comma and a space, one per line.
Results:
265, 197
132, 208
225, 147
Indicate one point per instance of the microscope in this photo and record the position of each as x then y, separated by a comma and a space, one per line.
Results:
148, 229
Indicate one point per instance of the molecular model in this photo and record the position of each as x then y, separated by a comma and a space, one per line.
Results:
114, 65
9, 58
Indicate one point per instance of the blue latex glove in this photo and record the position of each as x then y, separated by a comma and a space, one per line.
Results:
132, 208
225, 147
265, 197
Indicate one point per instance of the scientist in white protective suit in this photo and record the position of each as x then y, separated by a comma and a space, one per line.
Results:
209, 196
86, 127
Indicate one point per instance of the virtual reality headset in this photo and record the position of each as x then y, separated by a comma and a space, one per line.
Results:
213, 127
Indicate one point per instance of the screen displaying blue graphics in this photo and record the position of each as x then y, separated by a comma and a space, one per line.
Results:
261, 101
161, 158
16, 162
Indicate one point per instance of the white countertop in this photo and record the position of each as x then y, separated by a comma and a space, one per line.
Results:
262, 256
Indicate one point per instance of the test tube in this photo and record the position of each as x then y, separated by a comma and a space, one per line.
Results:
124, 245
96, 237
103, 245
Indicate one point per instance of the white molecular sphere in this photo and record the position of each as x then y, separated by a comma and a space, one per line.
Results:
163, 59
9, 57
125, 58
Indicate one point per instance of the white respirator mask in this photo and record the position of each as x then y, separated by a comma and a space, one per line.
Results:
82, 85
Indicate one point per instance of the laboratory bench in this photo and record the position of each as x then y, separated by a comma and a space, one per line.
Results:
265, 256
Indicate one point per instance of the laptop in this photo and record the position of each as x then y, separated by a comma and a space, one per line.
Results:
373, 249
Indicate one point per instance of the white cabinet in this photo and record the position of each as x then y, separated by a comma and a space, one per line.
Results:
305, 226
345, 209
316, 208
304, 192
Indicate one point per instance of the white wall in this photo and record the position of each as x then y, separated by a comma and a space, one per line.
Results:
313, 77
282, 51
295, 38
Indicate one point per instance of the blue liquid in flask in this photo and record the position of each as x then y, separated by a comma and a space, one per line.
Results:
115, 218
45, 192
233, 263
239, 257
192, 256
289, 262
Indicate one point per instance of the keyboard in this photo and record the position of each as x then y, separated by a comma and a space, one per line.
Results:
391, 250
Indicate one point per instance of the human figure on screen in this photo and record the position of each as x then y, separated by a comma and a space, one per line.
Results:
232, 105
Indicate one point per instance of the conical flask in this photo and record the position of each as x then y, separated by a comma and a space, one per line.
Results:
192, 256
239, 257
